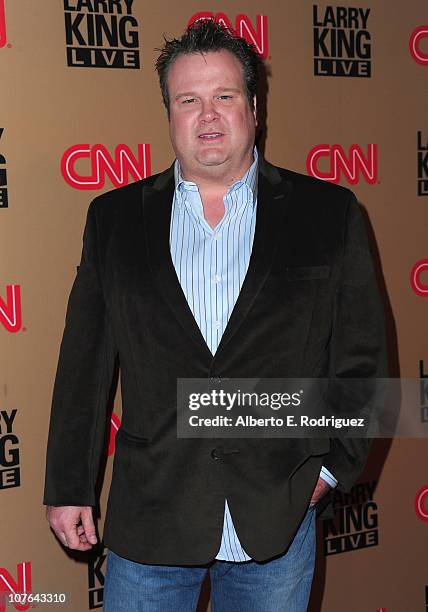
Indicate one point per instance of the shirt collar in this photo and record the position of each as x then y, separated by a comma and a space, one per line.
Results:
249, 180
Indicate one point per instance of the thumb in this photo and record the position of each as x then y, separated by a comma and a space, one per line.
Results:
88, 525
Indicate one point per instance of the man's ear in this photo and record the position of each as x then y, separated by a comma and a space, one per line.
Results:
255, 109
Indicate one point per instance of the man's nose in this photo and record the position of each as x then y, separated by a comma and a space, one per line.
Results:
208, 111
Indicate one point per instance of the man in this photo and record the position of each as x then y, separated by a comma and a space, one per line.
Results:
221, 266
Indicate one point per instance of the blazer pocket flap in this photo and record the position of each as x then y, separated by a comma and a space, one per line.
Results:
307, 272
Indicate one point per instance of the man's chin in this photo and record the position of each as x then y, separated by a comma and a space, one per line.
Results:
212, 158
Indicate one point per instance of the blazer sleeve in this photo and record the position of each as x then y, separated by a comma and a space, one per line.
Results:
82, 385
358, 345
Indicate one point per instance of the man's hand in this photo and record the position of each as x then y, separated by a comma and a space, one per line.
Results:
320, 490
73, 526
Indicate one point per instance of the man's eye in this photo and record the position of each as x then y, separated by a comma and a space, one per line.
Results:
188, 100
225, 97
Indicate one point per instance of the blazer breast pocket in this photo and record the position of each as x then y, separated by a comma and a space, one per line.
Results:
296, 273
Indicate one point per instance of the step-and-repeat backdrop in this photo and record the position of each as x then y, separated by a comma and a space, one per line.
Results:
81, 113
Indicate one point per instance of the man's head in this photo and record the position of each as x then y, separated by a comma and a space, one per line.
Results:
207, 36
208, 80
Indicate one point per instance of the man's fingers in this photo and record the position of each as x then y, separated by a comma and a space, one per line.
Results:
71, 539
71, 536
88, 525
81, 534
64, 520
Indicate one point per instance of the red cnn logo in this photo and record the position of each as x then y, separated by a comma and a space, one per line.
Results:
9, 586
10, 310
114, 428
257, 36
416, 283
117, 169
350, 165
2, 25
421, 503
414, 45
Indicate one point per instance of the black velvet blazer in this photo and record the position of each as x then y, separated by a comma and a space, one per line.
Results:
309, 307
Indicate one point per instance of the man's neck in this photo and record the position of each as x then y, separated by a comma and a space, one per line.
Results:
217, 179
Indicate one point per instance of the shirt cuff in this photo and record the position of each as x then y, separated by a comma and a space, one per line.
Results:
328, 477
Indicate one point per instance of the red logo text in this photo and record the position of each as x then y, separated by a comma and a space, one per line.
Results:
421, 503
257, 36
114, 428
419, 287
2, 25
350, 165
8, 585
415, 39
118, 169
10, 310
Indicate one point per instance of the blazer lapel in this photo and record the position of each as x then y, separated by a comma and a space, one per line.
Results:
271, 207
157, 209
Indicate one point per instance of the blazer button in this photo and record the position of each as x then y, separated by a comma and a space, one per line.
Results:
215, 379
215, 454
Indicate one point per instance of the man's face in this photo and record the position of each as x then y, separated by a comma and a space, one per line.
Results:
212, 126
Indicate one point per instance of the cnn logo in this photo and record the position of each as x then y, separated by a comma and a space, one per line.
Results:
257, 36
416, 37
416, 282
102, 164
350, 165
9, 586
2, 25
421, 503
10, 309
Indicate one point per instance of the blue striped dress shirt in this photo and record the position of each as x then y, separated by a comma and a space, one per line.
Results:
211, 264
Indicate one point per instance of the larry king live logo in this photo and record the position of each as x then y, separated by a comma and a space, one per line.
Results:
101, 34
96, 580
10, 473
355, 524
342, 42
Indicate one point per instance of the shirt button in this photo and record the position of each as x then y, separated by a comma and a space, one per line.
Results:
217, 236
216, 278
217, 324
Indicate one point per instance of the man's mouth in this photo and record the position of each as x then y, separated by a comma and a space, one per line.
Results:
210, 135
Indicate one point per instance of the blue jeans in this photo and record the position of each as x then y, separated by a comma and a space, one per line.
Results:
282, 584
